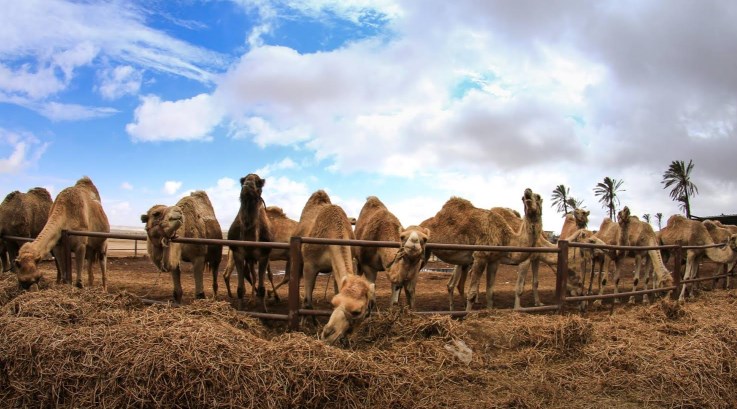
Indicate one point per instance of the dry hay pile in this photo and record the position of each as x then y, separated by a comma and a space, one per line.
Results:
82, 348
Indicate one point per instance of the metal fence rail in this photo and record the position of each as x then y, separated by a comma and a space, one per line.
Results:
296, 265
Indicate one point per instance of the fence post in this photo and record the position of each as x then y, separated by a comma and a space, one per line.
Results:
562, 274
67, 259
677, 257
135, 248
295, 271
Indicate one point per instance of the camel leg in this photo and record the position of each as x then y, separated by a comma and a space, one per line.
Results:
79, 255
198, 265
536, 281
477, 268
396, 291
60, 260
103, 268
240, 267
490, 278
176, 277
690, 261
229, 266
616, 278
636, 278
284, 280
270, 276
262, 265
89, 261
370, 275
409, 292
520, 287
455, 277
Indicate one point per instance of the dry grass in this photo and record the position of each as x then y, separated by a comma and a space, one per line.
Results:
65, 347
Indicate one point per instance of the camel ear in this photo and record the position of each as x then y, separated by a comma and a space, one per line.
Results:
587, 212
144, 218
243, 179
342, 283
426, 231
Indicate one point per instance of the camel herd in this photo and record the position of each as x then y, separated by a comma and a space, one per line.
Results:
354, 268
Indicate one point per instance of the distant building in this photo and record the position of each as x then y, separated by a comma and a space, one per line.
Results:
724, 218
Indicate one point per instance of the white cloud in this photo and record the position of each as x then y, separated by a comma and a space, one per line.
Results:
187, 119
56, 111
286, 163
26, 150
171, 187
119, 81
126, 186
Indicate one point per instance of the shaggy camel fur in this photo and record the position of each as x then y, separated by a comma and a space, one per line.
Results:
251, 224
321, 219
75, 208
459, 222
192, 217
634, 232
282, 229
22, 215
403, 264
685, 232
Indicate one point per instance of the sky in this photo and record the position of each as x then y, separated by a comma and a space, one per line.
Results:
409, 101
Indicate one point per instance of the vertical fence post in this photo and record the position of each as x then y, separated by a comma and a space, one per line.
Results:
295, 270
562, 276
67, 258
677, 257
135, 248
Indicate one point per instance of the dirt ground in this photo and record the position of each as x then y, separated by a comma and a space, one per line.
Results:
137, 274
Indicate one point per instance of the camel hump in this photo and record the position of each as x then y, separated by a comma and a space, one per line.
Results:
12, 196
86, 183
40, 193
201, 196
456, 201
275, 211
319, 197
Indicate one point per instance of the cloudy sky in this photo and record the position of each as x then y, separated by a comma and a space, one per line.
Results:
413, 102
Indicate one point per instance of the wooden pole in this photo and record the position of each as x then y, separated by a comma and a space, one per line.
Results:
295, 271
677, 257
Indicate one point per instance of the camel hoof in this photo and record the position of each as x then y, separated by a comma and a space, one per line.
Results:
200, 296
78, 284
597, 303
631, 300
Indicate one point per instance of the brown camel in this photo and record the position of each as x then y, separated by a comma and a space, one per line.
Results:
282, 229
609, 233
720, 234
403, 264
192, 217
22, 215
459, 222
75, 208
634, 232
575, 220
321, 219
251, 224
685, 232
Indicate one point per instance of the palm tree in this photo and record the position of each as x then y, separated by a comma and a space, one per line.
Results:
659, 218
646, 217
607, 191
678, 175
560, 198
574, 203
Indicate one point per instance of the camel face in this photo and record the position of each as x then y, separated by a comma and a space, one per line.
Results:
582, 217
533, 205
162, 224
251, 186
623, 215
351, 307
411, 253
26, 266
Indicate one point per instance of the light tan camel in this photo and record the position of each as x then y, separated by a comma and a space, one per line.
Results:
282, 230
402, 265
192, 217
251, 224
459, 222
575, 220
720, 234
634, 232
75, 208
609, 233
321, 219
685, 232
22, 215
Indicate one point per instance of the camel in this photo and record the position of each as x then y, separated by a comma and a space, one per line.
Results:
22, 215
192, 217
322, 219
609, 233
251, 224
634, 232
459, 222
685, 232
720, 234
402, 265
282, 229
575, 220
76, 208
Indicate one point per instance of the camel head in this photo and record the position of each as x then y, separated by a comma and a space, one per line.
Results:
251, 186
410, 257
533, 205
623, 216
351, 307
26, 266
162, 224
582, 218
732, 242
